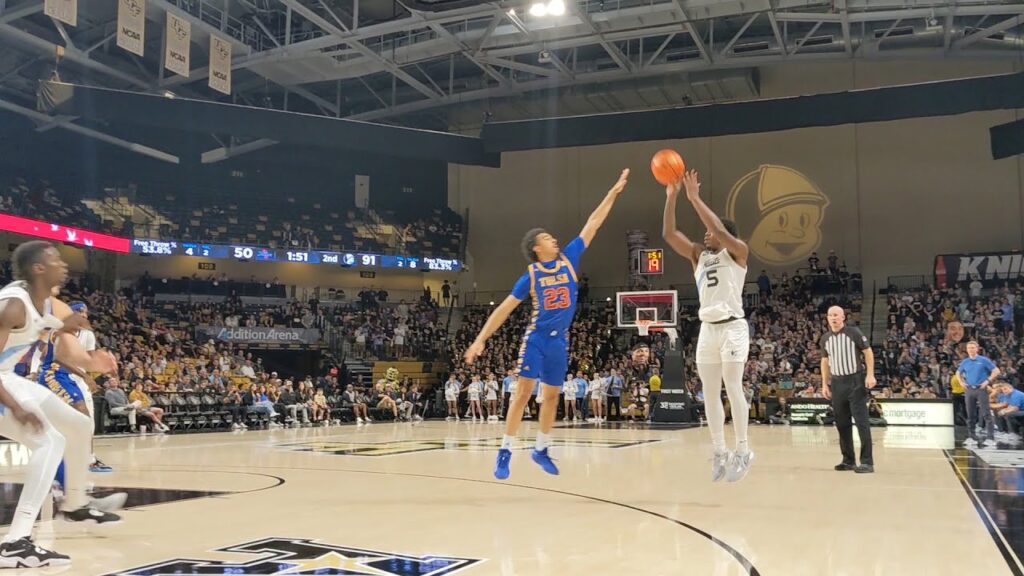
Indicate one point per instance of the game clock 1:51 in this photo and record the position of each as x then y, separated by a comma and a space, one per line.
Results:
652, 261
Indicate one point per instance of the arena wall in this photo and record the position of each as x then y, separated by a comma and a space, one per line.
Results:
889, 195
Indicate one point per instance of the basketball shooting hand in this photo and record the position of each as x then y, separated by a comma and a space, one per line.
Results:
870, 381
103, 361
692, 184
672, 190
475, 349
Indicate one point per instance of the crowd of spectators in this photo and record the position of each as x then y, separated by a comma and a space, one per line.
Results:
597, 353
159, 357
275, 221
926, 331
39, 199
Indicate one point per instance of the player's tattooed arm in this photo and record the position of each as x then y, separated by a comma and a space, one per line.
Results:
673, 237
599, 214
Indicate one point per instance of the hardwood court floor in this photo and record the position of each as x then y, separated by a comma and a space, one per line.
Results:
420, 499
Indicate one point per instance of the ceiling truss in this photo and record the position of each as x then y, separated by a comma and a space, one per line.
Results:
318, 57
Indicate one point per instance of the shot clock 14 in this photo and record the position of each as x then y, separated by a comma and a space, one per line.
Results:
652, 261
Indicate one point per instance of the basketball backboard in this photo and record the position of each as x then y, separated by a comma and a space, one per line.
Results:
656, 308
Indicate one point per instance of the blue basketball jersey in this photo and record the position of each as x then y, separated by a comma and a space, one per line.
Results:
49, 365
55, 377
552, 287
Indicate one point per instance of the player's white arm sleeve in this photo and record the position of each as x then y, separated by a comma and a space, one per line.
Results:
88, 340
70, 352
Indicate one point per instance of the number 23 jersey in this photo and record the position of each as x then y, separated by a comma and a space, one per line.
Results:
720, 286
552, 286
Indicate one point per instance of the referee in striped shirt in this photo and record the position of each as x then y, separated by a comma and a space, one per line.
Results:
841, 348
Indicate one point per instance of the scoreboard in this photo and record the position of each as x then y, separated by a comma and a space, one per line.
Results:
262, 254
243, 253
651, 261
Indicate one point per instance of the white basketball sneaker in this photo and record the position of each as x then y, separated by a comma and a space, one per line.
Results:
719, 464
739, 465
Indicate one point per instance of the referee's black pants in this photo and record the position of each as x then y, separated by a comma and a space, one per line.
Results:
850, 403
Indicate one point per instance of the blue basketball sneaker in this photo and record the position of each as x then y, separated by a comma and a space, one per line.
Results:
541, 457
98, 466
501, 468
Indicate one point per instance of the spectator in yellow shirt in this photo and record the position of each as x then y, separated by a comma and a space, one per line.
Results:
655, 384
146, 408
959, 404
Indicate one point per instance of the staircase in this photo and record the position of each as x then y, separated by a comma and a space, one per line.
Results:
879, 316
360, 368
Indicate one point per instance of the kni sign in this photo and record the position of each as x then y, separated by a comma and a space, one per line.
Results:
990, 268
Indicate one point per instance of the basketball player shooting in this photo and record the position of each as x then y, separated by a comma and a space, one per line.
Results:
550, 280
720, 267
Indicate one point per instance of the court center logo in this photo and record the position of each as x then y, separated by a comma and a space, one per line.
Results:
299, 556
784, 211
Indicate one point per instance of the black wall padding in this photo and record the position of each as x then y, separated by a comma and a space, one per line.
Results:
117, 106
1007, 139
872, 105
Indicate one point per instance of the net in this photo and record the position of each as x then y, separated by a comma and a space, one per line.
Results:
643, 326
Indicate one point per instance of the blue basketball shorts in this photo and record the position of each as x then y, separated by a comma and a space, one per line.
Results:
59, 381
544, 356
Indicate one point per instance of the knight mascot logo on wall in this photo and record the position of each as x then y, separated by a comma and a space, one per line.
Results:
783, 209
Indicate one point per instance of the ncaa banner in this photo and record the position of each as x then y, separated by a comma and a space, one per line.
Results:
258, 335
131, 25
64, 10
990, 268
177, 38
220, 65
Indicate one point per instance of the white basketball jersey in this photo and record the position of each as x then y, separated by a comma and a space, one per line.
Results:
21, 351
720, 286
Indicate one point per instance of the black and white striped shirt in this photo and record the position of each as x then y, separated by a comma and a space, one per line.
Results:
843, 350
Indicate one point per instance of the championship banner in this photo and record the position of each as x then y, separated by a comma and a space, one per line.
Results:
131, 25
64, 10
178, 37
990, 268
220, 65
258, 335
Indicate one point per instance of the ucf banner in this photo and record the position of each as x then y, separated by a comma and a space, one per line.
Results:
990, 269
64, 10
177, 38
258, 335
220, 65
131, 25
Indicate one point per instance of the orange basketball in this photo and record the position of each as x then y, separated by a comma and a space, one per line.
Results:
667, 166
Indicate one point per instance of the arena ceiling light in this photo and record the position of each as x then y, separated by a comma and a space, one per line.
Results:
549, 8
